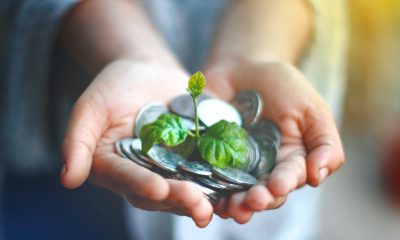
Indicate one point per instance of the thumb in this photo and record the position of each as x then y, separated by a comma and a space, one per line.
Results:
87, 121
324, 150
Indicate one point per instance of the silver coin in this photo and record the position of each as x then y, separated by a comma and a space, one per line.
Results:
268, 159
197, 168
250, 105
118, 149
235, 175
220, 185
254, 153
126, 149
183, 105
213, 198
149, 114
212, 195
180, 176
213, 110
164, 159
211, 184
266, 130
136, 147
268, 137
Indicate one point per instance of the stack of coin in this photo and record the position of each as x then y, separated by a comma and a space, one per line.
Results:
263, 141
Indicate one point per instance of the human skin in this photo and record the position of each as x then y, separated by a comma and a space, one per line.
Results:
131, 66
257, 47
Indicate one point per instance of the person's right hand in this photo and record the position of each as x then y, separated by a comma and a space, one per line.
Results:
104, 113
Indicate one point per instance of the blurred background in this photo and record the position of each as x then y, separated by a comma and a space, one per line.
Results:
362, 200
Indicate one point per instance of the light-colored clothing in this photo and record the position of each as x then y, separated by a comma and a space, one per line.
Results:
325, 63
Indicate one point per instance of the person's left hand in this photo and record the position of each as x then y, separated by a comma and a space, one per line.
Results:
310, 147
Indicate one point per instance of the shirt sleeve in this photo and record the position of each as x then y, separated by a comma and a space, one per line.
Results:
324, 62
30, 31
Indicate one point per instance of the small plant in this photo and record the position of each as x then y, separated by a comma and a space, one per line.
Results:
222, 145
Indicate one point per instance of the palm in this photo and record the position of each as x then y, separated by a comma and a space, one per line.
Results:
106, 113
309, 137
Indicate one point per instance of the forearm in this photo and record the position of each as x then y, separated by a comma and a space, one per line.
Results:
96, 32
264, 30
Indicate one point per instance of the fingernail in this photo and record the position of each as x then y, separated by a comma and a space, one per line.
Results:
202, 223
63, 169
323, 173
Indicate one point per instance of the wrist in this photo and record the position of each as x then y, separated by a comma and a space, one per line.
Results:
234, 60
164, 59
234, 67
239, 58
96, 33
161, 61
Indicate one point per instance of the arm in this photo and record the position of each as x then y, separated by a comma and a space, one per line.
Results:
264, 30
132, 66
98, 32
258, 45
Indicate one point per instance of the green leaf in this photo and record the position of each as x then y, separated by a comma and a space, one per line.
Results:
168, 129
196, 84
186, 148
224, 145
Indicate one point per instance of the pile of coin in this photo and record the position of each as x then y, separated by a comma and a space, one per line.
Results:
263, 140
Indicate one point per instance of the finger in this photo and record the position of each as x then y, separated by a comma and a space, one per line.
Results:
180, 201
186, 195
84, 130
183, 194
178, 211
125, 177
289, 173
146, 204
237, 210
202, 213
277, 203
324, 148
221, 208
151, 205
258, 197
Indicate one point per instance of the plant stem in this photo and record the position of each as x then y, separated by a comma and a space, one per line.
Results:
191, 134
196, 117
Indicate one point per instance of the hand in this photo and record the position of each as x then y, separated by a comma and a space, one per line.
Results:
310, 148
104, 113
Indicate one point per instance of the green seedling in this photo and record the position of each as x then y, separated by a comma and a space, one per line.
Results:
222, 145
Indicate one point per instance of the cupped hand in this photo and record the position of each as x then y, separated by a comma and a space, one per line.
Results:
310, 149
104, 113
